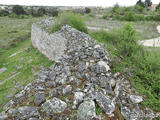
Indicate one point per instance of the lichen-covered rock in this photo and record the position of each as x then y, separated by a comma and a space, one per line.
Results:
67, 89
78, 98
3, 116
86, 110
39, 98
136, 99
105, 103
54, 106
25, 112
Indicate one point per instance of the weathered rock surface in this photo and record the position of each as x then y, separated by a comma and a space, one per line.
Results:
78, 85
86, 110
53, 106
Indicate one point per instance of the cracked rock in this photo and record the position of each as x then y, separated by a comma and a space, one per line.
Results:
86, 110
39, 98
105, 103
136, 99
53, 106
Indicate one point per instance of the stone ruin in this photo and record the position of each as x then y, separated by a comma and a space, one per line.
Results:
79, 86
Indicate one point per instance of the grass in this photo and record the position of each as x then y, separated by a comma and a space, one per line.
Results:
15, 38
143, 65
74, 20
28, 61
13, 31
145, 29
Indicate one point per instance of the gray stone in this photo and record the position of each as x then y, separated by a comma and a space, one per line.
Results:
67, 89
102, 63
3, 116
86, 110
136, 99
39, 98
52, 75
53, 93
50, 84
131, 114
54, 106
78, 98
27, 112
34, 119
3, 70
105, 103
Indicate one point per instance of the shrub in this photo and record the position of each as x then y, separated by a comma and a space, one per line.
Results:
130, 16
87, 10
116, 9
71, 19
4, 13
139, 8
41, 12
54, 13
127, 43
18, 10
139, 17
105, 16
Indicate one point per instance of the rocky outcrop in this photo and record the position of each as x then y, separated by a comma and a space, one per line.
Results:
78, 86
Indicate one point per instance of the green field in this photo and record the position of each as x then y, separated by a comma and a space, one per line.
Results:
21, 59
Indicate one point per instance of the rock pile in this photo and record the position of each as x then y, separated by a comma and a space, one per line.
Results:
79, 86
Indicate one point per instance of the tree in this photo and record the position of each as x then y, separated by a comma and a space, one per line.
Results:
158, 6
87, 10
140, 3
41, 11
116, 8
18, 10
148, 3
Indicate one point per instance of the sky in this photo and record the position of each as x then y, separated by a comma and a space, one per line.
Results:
101, 3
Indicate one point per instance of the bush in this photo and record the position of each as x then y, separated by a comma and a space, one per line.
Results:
139, 17
41, 12
53, 13
139, 8
4, 13
127, 43
130, 16
71, 19
105, 16
87, 10
116, 9
18, 10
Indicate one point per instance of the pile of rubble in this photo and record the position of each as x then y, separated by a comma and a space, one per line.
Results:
79, 86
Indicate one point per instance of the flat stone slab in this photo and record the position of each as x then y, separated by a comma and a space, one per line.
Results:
2, 70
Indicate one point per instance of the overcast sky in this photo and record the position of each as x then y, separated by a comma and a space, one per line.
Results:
103, 3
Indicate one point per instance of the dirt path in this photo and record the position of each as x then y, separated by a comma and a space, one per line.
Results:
155, 42
96, 28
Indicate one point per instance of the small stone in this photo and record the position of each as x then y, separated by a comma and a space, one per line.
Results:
136, 99
105, 103
39, 98
102, 63
3, 116
54, 106
53, 93
50, 84
67, 89
86, 110
27, 112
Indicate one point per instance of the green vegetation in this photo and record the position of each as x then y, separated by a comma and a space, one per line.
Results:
26, 60
143, 66
71, 19
18, 10
140, 12
13, 31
